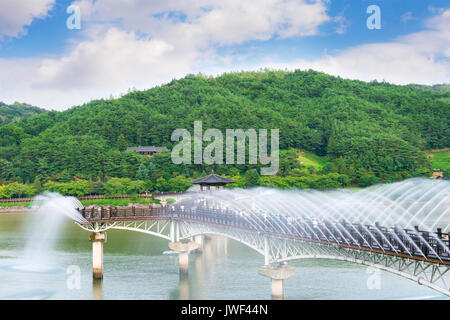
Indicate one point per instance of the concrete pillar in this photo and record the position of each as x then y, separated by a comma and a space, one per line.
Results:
183, 254
198, 239
277, 274
172, 231
277, 289
177, 231
97, 239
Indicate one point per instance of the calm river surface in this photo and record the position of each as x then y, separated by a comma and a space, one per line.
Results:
135, 268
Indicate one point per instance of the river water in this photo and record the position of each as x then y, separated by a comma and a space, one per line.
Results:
135, 268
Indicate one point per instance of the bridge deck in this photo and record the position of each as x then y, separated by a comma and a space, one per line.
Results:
412, 244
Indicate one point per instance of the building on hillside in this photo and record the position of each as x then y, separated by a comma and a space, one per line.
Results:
147, 150
212, 180
437, 175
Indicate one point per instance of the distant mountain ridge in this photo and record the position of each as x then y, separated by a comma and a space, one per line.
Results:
435, 87
17, 111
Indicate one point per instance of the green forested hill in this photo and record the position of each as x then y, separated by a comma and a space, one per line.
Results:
16, 112
436, 87
371, 129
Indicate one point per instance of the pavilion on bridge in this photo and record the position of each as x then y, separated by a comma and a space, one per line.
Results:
212, 180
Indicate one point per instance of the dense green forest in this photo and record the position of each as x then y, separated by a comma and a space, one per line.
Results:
366, 132
436, 87
17, 111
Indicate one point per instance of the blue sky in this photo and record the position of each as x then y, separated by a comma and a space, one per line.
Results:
126, 44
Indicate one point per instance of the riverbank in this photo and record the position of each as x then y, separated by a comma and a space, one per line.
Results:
8, 210
13, 207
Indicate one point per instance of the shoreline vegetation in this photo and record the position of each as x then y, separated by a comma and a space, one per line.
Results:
306, 172
9, 207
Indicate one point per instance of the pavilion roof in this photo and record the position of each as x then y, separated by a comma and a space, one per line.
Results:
212, 179
147, 149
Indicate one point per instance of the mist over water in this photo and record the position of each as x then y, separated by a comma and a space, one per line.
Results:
414, 202
49, 211
400, 217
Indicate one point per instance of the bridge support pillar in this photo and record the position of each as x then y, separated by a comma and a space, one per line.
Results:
183, 254
97, 239
198, 239
277, 274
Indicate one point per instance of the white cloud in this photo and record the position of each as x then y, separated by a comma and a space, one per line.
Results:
210, 21
114, 60
108, 62
15, 15
407, 17
342, 24
421, 57
154, 42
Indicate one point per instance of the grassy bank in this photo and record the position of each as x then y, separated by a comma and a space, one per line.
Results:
14, 204
440, 159
99, 202
309, 159
118, 202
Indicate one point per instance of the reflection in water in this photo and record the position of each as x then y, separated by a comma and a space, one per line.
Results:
97, 289
200, 278
183, 287
199, 272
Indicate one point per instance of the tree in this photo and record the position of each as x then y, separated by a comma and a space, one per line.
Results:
122, 142
117, 186
368, 180
179, 183
136, 187
5, 169
446, 173
37, 185
142, 173
251, 178
17, 190
296, 172
98, 187
161, 185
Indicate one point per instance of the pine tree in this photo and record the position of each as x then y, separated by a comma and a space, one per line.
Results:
122, 143
251, 177
142, 173
37, 185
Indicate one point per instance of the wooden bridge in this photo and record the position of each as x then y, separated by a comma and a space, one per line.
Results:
418, 255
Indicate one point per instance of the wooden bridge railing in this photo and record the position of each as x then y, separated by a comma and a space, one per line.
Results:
395, 240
